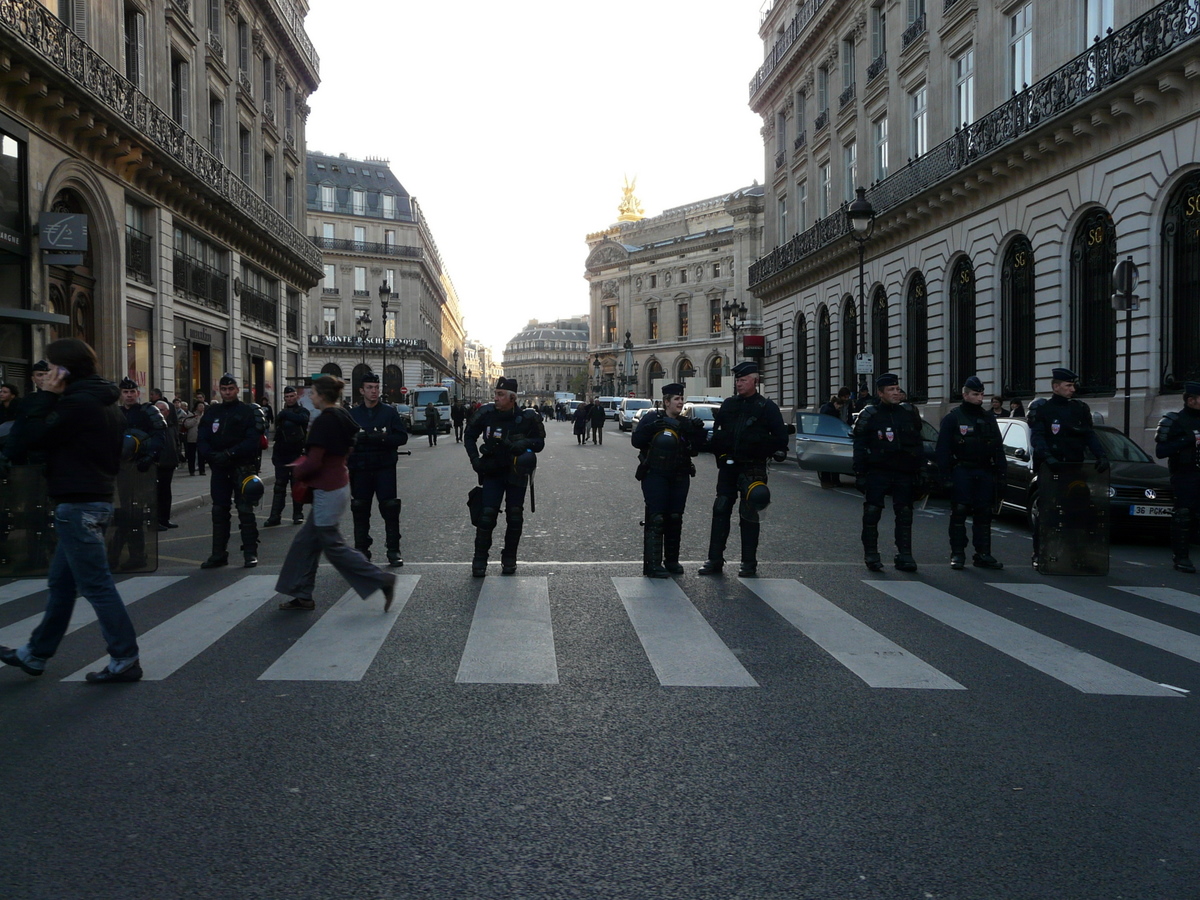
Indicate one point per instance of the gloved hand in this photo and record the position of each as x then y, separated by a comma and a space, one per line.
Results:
1102, 464
144, 464
860, 483
477, 465
520, 445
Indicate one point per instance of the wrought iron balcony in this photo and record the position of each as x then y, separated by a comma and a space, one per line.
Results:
358, 293
800, 141
348, 246
847, 97
1121, 55
877, 67
260, 308
201, 283
139, 255
331, 291
781, 47
245, 85
913, 31
822, 120
779, 159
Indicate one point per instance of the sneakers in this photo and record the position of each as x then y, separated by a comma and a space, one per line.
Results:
132, 672
298, 603
9, 657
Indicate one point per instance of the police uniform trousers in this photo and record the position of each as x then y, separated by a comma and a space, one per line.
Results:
730, 479
902, 486
283, 481
1186, 516
665, 494
973, 493
365, 486
223, 489
509, 489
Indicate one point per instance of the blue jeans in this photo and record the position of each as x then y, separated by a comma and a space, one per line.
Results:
80, 566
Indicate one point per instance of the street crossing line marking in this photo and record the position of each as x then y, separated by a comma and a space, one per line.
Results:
131, 590
865, 652
682, 647
512, 638
168, 647
19, 589
1181, 599
1072, 667
1147, 631
344, 642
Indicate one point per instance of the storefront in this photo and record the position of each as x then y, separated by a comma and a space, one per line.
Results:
259, 379
199, 359
138, 346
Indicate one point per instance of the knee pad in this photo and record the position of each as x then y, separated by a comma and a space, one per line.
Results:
872, 514
220, 513
959, 511
723, 505
675, 518
488, 516
904, 515
244, 510
360, 507
514, 515
389, 506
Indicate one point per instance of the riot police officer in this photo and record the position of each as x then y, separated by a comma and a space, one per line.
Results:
748, 429
291, 427
1061, 432
888, 457
511, 438
970, 456
1178, 441
146, 438
230, 439
667, 443
373, 469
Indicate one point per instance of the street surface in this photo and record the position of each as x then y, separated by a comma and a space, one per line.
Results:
579, 731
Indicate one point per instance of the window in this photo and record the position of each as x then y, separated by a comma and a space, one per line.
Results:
962, 324
1181, 319
289, 198
244, 154
389, 206
801, 205
822, 90
714, 314
201, 270
139, 244
389, 239
1098, 20
801, 362
917, 102
916, 9
716, 369
824, 354
653, 281
849, 341
880, 127
847, 63
327, 230
964, 86
716, 270
917, 363
269, 178
135, 47
243, 34
878, 31
216, 17
850, 169
652, 323
780, 133
360, 234
1020, 48
390, 278
329, 285
1018, 322
683, 276
781, 205
683, 320
610, 324
359, 200
801, 115
879, 330
360, 279
1093, 320
181, 87
74, 13
216, 126
825, 186
329, 321
268, 81
327, 197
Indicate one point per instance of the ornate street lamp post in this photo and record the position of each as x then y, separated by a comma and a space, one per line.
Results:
735, 320
861, 214
364, 332
457, 374
385, 296
597, 387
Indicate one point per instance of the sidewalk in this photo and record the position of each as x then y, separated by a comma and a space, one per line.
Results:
190, 492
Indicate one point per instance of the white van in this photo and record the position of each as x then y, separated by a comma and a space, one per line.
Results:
610, 405
628, 407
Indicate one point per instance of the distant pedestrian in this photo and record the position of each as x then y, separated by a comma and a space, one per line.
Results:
191, 423
1016, 409
168, 462
433, 419
597, 416
8, 402
998, 409
582, 419
458, 414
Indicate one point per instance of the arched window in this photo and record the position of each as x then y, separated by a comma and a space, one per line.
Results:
879, 330
356, 378
332, 369
686, 369
393, 378
824, 362
1093, 320
849, 342
916, 370
1017, 360
654, 371
962, 324
1181, 270
715, 369
802, 399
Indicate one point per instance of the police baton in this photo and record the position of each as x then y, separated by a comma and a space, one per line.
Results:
532, 495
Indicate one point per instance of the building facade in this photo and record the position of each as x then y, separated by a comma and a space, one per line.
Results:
545, 357
171, 134
386, 303
1001, 203
664, 281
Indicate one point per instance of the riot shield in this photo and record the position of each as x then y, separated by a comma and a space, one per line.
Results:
26, 524
1072, 520
133, 539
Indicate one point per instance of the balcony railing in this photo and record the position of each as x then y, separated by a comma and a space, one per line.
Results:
800, 141
1141, 43
847, 97
330, 291
821, 121
877, 67
360, 294
139, 255
948, 4
779, 159
913, 31
292, 315
780, 50
201, 283
348, 246
258, 307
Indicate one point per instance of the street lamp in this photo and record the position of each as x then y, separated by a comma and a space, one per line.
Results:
629, 368
470, 390
385, 296
596, 370
861, 214
735, 319
457, 374
364, 332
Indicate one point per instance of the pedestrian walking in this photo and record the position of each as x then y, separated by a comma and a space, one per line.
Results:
323, 469
458, 414
504, 463
432, 420
1178, 441
748, 429
597, 419
373, 469
971, 463
168, 462
581, 420
291, 428
888, 457
667, 443
75, 422
191, 427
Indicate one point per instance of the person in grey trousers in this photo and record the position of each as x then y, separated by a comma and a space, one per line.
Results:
323, 469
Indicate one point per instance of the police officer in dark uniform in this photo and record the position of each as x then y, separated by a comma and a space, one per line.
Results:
970, 457
458, 415
1061, 432
1178, 441
667, 443
748, 429
888, 456
373, 469
291, 428
229, 438
504, 461
146, 439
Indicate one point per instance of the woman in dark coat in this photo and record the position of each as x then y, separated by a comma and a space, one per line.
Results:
582, 420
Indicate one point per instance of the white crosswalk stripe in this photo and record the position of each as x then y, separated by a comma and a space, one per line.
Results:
1080, 670
511, 639
1170, 596
343, 643
168, 647
18, 589
682, 647
865, 652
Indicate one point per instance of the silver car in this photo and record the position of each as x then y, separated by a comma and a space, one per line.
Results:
824, 444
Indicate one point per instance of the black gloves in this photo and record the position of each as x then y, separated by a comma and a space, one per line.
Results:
219, 458
1102, 464
520, 445
144, 464
477, 465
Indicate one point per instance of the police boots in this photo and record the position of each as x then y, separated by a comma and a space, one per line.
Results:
483, 540
870, 537
958, 536
652, 547
220, 539
248, 526
750, 532
1181, 523
904, 559
514, 522
672, 533
278, 500
718, 536
360, 510
390, 510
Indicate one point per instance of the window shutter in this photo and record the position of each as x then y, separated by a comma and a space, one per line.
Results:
185, 99
139, 29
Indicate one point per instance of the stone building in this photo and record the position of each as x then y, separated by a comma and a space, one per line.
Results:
177, 130
372, 235
664, 282
545, 357
1002, 202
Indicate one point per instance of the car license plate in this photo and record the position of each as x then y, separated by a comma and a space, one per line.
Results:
1150, 511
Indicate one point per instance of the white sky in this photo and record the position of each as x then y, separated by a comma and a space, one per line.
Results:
514, 125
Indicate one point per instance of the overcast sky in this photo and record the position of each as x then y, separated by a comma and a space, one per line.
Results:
514, 125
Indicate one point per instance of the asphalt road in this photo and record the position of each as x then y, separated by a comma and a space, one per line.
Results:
1034, 753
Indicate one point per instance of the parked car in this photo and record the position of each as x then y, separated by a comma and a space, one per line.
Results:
703, 413
405, 412
637, 416
1139, 492
610, 405
629, 406
824, 444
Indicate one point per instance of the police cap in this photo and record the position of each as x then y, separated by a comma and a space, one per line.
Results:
973, 384
227, 380
745, 368
128, 384
41, 366
1063, 375
507, 384
669, 389
1192, 388
290, 389
887, 380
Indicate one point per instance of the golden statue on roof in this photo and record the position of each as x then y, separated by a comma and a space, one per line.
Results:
630, 209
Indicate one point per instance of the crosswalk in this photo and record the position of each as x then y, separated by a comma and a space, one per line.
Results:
512, 641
